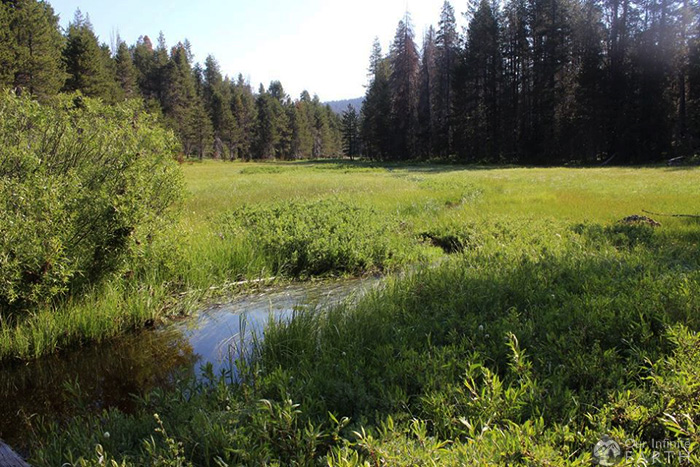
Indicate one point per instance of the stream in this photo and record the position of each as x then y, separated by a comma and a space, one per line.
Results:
108, 375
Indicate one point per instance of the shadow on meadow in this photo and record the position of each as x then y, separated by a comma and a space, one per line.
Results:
588, 318
416, 167
441, 166
89, 380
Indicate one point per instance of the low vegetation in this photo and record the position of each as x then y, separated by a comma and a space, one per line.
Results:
87, 192
83, 186
526, 348
526, 315
319, 237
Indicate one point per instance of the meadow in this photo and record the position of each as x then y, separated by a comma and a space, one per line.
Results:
402, 212
521, 320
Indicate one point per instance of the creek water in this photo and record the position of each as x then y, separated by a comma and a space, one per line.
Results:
110, 374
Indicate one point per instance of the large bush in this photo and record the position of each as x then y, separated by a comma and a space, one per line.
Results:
83, 188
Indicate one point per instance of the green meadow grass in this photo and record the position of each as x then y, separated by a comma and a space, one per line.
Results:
415, 206
549, 325
577, 194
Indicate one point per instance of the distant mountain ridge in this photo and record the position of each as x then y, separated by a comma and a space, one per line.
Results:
340, 106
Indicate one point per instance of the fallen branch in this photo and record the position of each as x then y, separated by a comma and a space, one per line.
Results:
609, 160
692, 216
228, 285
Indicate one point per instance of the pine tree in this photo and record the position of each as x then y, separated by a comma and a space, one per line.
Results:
229, 132
375, 124
296, 127
267, 129
243, 107
515, 89
161, 58
587, 136
145, 65
183, 107
375, 59
301, 121
334, 144
687, 16
321, 130
126, 72
7, 76
427, 104
276, 90
200, 127
446, 54
33, 48
476, 109
281, 119
351, 132
110, 64
87, 63
693, 88
653, 58
550, 28
217, 100
620, 85
405, 64
212, 90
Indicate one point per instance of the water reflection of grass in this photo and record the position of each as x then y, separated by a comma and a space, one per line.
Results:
90, 380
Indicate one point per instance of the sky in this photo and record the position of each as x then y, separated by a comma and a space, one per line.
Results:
321, 46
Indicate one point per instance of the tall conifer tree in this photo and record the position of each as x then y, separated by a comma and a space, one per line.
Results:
33, 48
405, 63
375, 122
126, 72
87, 64
446, 54
427, 102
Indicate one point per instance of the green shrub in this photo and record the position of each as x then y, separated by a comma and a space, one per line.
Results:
318, 237
83, 187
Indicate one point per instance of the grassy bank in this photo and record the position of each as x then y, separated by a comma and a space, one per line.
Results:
549, 325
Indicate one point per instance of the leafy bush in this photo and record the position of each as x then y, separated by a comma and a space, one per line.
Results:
83, 187
317, 237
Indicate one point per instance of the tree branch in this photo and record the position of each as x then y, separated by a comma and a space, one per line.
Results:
692, 216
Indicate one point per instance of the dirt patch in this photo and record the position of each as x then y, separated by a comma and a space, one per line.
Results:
637, 220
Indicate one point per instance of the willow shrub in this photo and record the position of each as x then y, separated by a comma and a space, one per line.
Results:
84, 189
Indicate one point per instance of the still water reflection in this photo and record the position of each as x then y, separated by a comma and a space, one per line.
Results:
107, 375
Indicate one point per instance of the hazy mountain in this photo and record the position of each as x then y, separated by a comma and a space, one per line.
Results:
340, 106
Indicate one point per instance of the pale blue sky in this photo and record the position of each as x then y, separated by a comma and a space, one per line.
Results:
322, 46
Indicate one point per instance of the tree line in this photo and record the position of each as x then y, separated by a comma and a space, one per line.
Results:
527, 81
540, 82
213, 115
